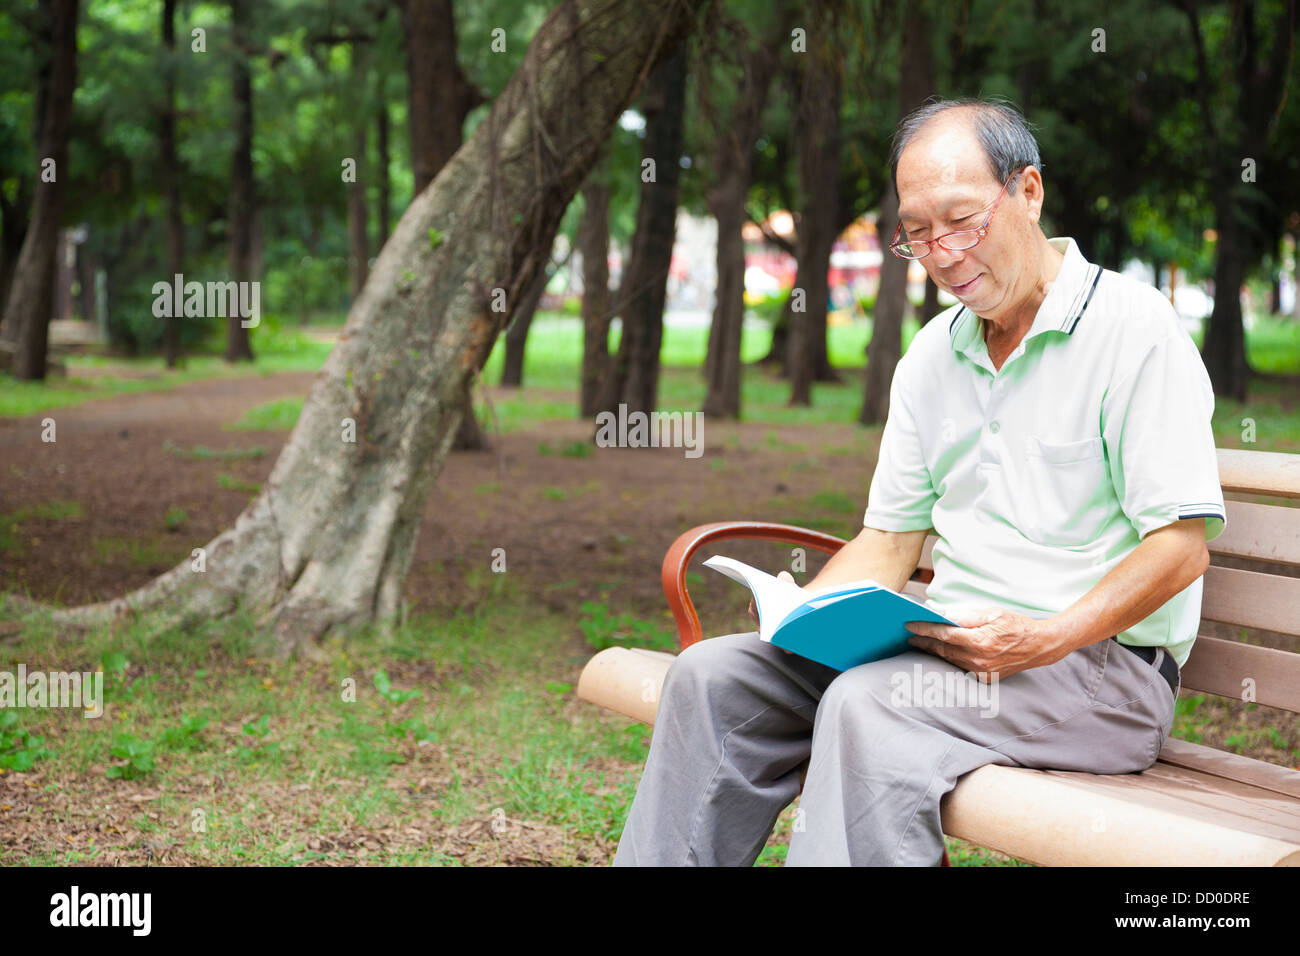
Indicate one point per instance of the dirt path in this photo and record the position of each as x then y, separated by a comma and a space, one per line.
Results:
574, 528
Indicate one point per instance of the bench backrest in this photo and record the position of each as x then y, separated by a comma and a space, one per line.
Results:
1243, 598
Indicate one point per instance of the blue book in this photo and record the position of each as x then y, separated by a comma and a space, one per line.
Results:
841, 626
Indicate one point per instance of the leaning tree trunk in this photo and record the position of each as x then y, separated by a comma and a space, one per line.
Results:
634, 375
439, 97
238, 347
329, 539
31, 293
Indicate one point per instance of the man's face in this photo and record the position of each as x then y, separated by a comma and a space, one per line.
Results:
944, 184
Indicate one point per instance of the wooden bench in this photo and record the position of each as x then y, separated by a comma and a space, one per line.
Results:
1196, 805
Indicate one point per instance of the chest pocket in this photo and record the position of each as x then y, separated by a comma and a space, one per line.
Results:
1065, 496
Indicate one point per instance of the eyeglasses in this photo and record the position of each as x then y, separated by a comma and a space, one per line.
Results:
953, 241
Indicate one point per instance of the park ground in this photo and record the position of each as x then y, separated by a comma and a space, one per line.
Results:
454, 738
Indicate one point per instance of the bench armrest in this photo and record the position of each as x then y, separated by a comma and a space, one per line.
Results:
679, 556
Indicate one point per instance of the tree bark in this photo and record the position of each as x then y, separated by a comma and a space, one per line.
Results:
238, 346
916, 82
512, 368
930, 306
439, 97
170, 170
383, 161
358, 241
734, 163
1259, 86
30, 303
634, 378
439, 94
328, 541
593, 246
819, 160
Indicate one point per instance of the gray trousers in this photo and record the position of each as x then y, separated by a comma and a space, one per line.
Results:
737, 717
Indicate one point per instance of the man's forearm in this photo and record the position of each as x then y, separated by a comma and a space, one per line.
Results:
1167, 561
885, 557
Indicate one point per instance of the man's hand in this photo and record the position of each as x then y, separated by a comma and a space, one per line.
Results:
992, 642
753, 612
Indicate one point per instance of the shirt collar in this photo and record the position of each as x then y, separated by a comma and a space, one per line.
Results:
1060, 310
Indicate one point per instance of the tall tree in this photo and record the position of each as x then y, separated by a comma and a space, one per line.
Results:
169, 166
358, 240
819, 159
1259, 52
634, 376
328, 541
240, 219
31, 293
916, 82
733, 170
593, 247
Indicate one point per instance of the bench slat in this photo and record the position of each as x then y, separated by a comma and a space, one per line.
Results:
1252, 599
1217, 666
1230, 766
1080, 819
1260, 532
1259, 472
1254, 531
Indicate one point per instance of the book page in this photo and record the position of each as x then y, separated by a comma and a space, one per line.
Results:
773, 598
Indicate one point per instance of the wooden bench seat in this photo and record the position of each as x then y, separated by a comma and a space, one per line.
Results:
1196, 805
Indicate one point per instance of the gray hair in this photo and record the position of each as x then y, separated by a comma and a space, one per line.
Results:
1000, 128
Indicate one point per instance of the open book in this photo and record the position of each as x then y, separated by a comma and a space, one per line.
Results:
841, 626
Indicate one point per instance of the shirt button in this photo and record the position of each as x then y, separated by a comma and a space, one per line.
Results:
993, 427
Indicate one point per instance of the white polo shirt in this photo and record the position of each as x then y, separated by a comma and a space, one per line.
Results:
1041, 476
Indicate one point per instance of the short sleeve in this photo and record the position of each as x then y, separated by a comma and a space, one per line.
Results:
1157, 429
902, 494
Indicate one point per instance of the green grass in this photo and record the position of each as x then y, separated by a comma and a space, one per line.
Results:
12, 524
448, 721
279, 415
475, 713
203, 453
276, 351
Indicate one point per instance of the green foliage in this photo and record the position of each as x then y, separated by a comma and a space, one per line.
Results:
203, 453
257, 747
603, 629
138, 754
280, 415
175, 518
231, 483
19, 748
386, 691
187, 735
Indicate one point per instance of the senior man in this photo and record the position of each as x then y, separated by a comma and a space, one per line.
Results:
1053, 429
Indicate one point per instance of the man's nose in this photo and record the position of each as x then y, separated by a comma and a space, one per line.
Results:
944, 258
